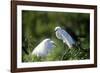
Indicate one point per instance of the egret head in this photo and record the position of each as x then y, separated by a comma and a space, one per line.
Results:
52, 42
57, 28
49, 43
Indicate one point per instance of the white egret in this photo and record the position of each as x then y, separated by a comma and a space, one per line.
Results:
65, 36
44, 47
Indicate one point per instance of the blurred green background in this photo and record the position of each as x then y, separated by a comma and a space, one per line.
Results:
38, 25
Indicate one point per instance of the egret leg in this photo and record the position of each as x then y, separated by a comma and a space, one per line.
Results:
66, 51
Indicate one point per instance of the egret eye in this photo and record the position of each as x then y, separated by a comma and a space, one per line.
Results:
55, 30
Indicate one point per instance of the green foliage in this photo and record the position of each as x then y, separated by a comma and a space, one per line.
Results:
38, 25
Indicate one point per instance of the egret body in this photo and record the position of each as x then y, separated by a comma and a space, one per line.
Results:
44, 48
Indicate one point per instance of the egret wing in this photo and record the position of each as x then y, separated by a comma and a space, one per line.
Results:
67, 38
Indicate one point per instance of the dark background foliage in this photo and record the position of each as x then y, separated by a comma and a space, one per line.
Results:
38, 25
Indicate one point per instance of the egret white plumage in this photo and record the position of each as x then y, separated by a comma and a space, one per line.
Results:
44, 47
65, 36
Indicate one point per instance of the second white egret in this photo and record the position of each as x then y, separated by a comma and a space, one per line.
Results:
65, 36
